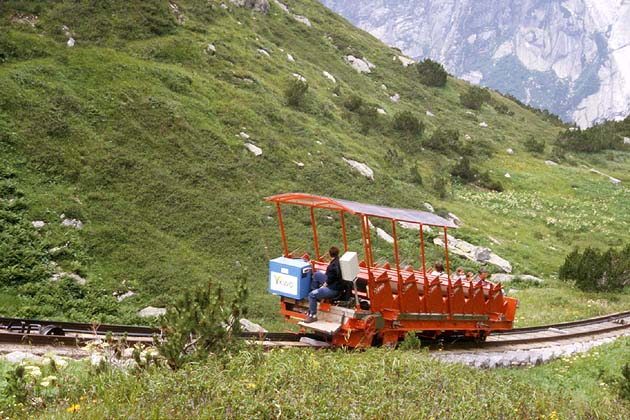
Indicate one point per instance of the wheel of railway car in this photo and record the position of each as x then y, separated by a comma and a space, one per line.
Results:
51, 330
481, 337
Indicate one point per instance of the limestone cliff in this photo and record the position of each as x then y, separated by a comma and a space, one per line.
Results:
571, 57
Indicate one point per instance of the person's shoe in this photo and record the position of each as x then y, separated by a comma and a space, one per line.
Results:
311, 318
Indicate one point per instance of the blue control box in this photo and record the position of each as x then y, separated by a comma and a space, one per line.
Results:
289, 277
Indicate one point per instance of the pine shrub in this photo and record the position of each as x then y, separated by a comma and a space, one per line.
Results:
202, 322
407, 123
474, 97
534, 146
353, 103
464, 171
444, 140
295, 92
593, 270
431, 73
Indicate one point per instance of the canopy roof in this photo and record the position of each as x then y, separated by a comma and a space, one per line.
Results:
402, 215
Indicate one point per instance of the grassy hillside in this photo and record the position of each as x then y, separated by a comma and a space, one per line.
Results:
134, 130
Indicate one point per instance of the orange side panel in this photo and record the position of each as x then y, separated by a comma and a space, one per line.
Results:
435, 303
476, 303
410, 298
495, 300
510, 307
458, 301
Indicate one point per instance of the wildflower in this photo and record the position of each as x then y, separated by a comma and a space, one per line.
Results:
60, 363
33, 371
48, 380
73, 408
82, 398
251, 385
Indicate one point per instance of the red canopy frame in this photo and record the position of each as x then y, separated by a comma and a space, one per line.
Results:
364, 211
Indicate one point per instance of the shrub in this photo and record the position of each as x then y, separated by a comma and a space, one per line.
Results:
444, 140
431, 73
200, 323
416, 177
295, 92
469, 174
440, 184
353, 103
369, 118
534, 146
408, 123
501, 108
411, 342
463, 171
605, 136
593, 270
474, 97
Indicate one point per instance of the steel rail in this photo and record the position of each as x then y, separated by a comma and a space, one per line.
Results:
33, 325
563, 325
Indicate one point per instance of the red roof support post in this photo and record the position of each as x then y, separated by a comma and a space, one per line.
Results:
369, 238
366, 246
400, 280
284, 238
448, 276
424, 272
314, 233
343, 230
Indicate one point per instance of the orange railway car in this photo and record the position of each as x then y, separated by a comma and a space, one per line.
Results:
385, 301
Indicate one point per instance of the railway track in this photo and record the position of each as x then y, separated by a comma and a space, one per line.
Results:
535, 345
530, 345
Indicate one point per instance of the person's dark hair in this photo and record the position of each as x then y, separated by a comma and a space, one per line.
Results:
438, 266
333, 251
482, 270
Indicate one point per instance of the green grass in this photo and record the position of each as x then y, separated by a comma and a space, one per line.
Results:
302, 383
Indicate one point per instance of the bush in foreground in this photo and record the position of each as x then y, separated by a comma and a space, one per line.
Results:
202, 322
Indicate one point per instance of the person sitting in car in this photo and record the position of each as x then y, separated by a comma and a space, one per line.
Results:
325, 285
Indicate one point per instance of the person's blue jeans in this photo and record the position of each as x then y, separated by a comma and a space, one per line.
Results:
319, 294
318, 280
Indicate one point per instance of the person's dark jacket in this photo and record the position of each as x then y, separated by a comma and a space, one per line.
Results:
333, 272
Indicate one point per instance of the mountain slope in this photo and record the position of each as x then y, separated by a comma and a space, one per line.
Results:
139, 130
571, 57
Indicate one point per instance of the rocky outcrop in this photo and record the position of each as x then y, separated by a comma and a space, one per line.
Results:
384, 235
613, 180
506, 278
257, 151
75, 223
261, 6
362, 65
474, 253
249, 326
362, 168
151, 311
329, 76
